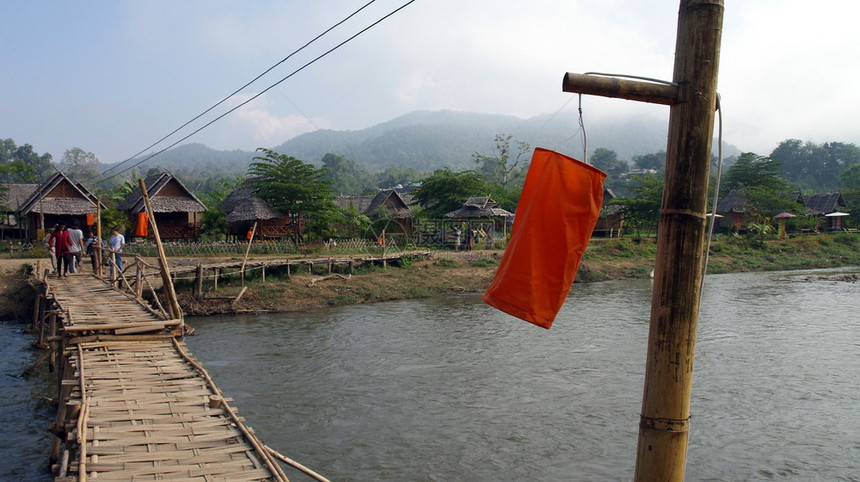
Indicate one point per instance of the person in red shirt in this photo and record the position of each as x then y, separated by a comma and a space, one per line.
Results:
60, 243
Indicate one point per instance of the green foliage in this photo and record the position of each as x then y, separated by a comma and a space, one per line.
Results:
656, 161
642, 211
752, 171
505, 167
80, 166
214, 225
345, 175
446, 191
291, 186
484, 262
20, 164
815, 166
607, 161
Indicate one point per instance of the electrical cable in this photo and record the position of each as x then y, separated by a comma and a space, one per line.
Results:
240, 88
266, 89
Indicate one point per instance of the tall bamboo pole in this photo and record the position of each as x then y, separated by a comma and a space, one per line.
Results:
665, 416
172, 302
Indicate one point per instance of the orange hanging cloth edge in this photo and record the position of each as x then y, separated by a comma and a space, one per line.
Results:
557, 212
142, 225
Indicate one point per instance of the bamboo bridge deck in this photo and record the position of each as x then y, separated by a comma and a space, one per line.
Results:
133, 403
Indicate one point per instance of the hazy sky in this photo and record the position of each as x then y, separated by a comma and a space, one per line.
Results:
113, 77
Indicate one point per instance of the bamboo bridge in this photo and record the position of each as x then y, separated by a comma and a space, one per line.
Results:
133, 403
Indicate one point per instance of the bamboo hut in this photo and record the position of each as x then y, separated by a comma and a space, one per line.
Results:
828, 206
735, 211
611, 220
57, 199
12, 196
386, 205
176, 209
244, 208
482, 214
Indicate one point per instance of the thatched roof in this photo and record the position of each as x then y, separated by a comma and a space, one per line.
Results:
479, 207
388, 199
243, 205
59, 195
824, 203
734, 202
166, 195
12, 196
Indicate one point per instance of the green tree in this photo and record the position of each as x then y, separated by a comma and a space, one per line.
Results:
20, 164
446, 191
849, 180
815, 166
607, 160
508, 165
345, 175
292, 186
760, 178
80, 166
656, 161
642, 210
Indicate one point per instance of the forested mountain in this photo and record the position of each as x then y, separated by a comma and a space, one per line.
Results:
430, 140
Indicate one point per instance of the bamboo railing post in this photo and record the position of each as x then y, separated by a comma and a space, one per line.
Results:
198, 281
172, 302
138, 283
247, 252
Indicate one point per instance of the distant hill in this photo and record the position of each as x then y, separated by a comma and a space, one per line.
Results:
432, 140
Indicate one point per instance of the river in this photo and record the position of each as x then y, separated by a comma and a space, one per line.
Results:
449, 389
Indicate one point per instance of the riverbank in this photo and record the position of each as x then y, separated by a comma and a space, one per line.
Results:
449, 272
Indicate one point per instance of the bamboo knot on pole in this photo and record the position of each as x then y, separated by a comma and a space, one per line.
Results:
665, 424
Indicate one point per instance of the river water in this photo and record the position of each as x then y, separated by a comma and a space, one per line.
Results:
449, 389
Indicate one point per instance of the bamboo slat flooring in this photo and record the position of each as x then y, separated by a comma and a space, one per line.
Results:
89, 303
147, 416
134, 404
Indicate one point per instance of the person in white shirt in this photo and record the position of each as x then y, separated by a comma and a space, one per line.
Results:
117, 241
76, 236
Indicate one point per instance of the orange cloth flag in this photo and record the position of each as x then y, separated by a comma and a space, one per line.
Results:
142, 225
558, 209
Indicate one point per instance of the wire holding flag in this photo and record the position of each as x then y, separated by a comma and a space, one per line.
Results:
558, 209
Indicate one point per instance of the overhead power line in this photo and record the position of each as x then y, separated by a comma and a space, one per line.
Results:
116, 166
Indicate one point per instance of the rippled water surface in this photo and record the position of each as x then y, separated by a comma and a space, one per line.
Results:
451, 389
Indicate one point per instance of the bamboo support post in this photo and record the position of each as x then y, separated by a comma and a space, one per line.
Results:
198, 281
692, 95
247, 252
173, 303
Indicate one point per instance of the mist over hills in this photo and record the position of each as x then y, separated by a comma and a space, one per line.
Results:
432, 140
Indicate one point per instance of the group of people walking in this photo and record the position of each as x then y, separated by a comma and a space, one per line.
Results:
67, 245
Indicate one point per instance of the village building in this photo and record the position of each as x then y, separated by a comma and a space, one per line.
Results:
610, 223
830, 206
388, 205
56, 200
243, 209
176, 209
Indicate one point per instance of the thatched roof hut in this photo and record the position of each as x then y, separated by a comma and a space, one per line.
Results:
824, 203
480, 207
166, 195
244, 208
243, 205
58, 199
389, 200
174, 206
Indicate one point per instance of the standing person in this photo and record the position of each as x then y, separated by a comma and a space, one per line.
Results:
469, 237
92, 243
49, 246
76, 247
60, 244
117, 241
457, 234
